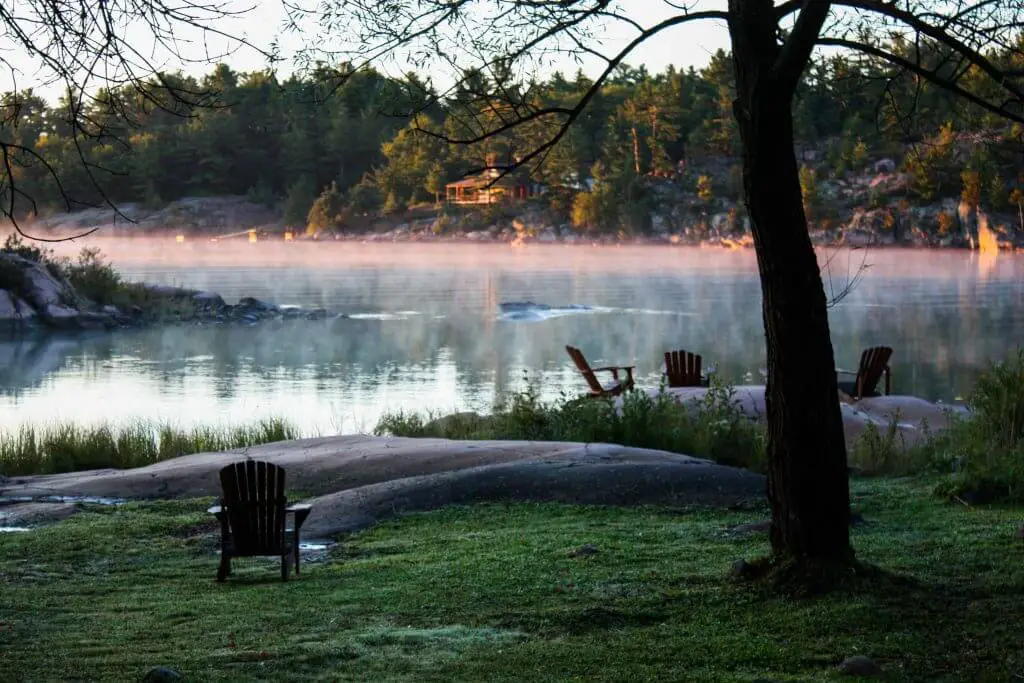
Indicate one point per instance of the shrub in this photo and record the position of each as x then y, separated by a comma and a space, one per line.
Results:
15, 245
885, 452
93, 277
986, 451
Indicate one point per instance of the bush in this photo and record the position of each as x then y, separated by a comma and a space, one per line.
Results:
15, 245
94, 278
713, 428
986, 451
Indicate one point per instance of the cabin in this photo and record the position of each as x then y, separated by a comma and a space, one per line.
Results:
488, 186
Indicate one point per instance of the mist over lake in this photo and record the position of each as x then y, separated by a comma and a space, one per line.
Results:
424, 330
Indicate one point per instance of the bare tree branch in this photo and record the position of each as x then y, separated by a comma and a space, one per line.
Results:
81, 45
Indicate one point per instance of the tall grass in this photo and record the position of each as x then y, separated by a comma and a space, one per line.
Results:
67, 447
713, 428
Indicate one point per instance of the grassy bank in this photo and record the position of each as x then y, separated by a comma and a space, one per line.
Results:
66, 447
492, 593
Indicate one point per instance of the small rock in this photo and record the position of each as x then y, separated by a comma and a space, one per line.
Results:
741, 568
210, 300
761, 527
251, 302
585, 550
162, 674
859, 665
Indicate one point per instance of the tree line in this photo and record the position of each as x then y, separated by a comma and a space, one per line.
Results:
338, 142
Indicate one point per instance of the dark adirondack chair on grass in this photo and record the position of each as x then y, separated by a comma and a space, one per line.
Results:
682, 369
874, 362
596, 389
253, 514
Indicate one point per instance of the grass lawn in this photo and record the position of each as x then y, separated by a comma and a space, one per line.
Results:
490, 593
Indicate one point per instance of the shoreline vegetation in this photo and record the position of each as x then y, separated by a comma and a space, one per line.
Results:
62, 447
976, 457
227, 218
41, 292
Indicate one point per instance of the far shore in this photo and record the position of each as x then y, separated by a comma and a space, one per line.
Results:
729, 243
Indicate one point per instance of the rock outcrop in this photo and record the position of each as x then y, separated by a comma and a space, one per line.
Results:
35, 296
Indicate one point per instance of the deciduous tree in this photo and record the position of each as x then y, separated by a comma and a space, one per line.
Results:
772, 45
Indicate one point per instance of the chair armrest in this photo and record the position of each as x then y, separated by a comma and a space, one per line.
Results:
301, 511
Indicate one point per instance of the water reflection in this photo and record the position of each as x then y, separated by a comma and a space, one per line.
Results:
430, 335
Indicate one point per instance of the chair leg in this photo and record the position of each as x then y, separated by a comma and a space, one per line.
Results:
296, 554
224, 570
285, 561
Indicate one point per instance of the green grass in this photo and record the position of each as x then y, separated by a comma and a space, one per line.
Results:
66, 447
491, 593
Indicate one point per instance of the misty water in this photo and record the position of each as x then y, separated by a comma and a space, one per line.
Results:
425, 332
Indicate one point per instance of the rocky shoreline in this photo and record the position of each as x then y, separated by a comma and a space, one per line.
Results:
868, 210
35, 297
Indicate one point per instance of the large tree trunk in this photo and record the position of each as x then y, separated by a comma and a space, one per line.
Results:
808, 484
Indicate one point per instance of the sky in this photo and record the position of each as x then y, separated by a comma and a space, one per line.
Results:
682, 46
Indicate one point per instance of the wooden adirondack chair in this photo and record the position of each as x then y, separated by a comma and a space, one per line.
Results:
682, 369
253, 514
596, 389
874, 362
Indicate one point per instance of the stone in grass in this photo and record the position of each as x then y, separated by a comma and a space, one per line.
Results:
742, 569
859, 665
585, 550
162, 674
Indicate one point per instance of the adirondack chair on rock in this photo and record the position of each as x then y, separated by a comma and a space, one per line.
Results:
253, 514
874, 362
596, 388
682, 369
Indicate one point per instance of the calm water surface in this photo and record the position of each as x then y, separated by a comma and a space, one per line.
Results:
425, 331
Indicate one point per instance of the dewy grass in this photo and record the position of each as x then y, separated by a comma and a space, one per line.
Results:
492, 593
66, 447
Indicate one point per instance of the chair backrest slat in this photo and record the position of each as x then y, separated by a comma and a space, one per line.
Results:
682, 368
872, 364
584, 367
254, 497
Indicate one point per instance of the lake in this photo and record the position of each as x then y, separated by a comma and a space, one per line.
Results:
425, 332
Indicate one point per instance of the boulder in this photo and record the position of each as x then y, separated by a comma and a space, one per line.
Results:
208, 300
162, 674
61, 317
916, 418
15, 314
251, 303
859, 665
96, 320
35, 283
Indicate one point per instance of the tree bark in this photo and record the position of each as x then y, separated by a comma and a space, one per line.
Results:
808, 484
